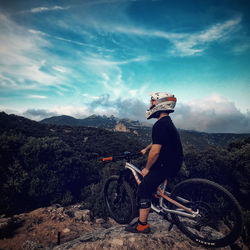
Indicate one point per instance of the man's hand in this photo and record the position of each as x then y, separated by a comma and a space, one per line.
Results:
145, 171
144, 151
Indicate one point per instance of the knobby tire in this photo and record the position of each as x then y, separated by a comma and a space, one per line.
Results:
120, 200
221, 219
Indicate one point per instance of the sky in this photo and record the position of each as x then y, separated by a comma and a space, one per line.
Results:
103, 57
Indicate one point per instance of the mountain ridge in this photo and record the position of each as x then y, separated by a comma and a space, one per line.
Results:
131, 129
199, 140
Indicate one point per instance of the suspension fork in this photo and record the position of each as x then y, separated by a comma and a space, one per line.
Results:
122, 176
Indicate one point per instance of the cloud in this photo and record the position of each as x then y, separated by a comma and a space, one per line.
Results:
39, 114
43, 9
20, 56
95, 47
28, 61
196, 43
38, 96
122, 108
110, 76
187, 44
242, 47
213, 114
97, 60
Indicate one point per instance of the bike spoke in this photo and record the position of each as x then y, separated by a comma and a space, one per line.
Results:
119, 199
218, 218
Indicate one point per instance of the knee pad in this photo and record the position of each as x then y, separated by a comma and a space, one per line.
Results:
144, 203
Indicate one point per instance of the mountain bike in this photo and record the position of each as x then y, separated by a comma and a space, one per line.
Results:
203, 210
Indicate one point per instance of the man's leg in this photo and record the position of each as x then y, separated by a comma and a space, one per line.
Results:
144, 194
143, 214
142, 225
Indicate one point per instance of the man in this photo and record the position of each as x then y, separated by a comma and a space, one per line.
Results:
164, 159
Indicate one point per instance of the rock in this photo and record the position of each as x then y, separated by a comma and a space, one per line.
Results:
86, 214
76, 234
112, 222
66, 230
30, 245
117, 242
60, 210
78, 215
117, 238
99, 221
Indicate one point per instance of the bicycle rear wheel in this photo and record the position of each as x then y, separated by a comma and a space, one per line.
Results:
120, 200
220, 220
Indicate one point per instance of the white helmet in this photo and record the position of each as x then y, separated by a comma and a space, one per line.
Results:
160, 101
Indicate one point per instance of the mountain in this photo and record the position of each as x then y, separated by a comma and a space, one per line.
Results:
142, 131
133, 130
94, 121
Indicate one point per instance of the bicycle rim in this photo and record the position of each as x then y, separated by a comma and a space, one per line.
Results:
119, 199
220, 219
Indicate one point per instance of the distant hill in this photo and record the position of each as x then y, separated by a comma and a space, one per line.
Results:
142, 132
94, 121
97, 136
133, 130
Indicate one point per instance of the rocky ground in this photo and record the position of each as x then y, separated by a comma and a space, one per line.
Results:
73, 227
43, 226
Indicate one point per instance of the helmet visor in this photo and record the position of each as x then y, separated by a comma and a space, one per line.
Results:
152, 103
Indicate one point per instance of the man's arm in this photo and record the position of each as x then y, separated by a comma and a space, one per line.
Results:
152, 157
145, 150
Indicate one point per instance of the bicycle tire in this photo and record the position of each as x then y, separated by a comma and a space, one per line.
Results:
220, 222
120, 200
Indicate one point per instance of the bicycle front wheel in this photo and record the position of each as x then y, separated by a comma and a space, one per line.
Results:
120, 200
219, 221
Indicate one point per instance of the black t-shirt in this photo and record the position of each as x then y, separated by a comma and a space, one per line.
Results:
165, 133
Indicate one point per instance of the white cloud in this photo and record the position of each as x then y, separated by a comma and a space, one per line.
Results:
196, 43
61, 69
212, 114
187, 44
97, 60
20, 56
90, 96
39, 114
109, 75
23, 59
37, 32
43, 9
38, 96
77, 112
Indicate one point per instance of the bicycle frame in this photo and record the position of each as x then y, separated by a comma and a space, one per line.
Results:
188, 212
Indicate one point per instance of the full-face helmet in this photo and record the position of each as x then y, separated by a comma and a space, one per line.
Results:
160, 102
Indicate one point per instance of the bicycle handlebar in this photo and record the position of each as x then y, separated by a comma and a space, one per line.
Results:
126, 155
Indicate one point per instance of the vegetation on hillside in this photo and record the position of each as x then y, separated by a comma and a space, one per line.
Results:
44, 164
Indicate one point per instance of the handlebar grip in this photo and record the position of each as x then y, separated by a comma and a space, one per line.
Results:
107, 159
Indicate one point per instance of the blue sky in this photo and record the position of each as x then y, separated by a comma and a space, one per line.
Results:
104, 56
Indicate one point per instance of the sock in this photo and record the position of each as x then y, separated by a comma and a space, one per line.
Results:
142, 223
